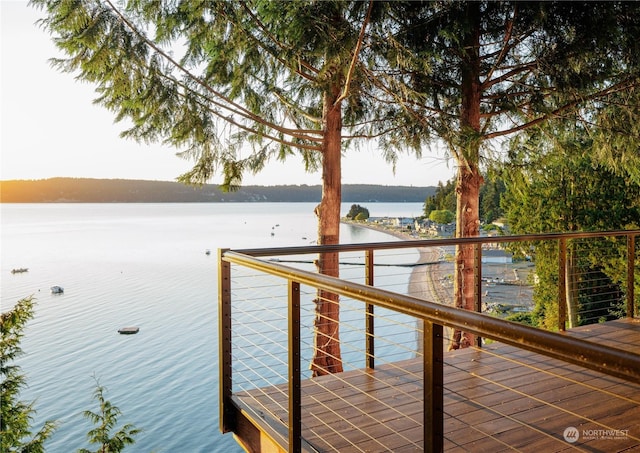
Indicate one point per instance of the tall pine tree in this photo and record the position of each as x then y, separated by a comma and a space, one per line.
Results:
468, 73
16, 432
555, 183
233, 85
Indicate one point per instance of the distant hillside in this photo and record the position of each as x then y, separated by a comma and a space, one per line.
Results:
82, 190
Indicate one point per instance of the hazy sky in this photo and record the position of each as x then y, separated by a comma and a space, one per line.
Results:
51, 128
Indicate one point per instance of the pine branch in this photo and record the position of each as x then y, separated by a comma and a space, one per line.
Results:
232, 106
630, 82
506, 46
301, 62
354, 58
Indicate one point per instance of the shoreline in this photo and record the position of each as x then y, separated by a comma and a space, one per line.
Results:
420, 285
422, 282
434, 283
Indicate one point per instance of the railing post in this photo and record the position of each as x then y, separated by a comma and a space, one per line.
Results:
477, 282
295, 397
631, 259
227, 422
369, 326
433, 387
562, 284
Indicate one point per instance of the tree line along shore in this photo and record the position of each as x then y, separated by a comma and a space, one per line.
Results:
87, 190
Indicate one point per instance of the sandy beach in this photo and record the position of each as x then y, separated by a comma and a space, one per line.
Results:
433, 280
424, 280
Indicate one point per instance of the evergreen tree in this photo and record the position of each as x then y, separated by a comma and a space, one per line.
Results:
443, 199
490, 195
470, 72
16, 434
358, 212
429, 205
296, 78
105, 420
233, 85
555, 183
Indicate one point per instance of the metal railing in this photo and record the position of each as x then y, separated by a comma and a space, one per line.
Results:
270, 298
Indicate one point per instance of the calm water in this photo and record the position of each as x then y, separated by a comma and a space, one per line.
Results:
143, 265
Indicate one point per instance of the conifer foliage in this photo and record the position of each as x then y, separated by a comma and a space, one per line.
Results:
16, 417
575, 192
233, 85
105, 420
16, 433
467, 73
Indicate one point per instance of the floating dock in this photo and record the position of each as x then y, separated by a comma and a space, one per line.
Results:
128, 330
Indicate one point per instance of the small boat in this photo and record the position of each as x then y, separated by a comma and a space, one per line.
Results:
57, 290
128, 330
19, 270
208, 252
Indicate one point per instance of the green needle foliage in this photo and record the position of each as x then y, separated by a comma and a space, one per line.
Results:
233, 85
555, 182
465, 73
105, 420
16, 416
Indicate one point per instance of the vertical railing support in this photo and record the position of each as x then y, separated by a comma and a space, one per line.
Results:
477, 282
631, 260
227, 421
295, 397
433, 387
369, 327
562, 284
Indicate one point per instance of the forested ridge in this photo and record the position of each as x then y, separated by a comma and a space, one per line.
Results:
86, 190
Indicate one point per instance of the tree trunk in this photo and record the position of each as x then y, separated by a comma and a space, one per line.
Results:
469, 179
467, 225
327, 357
571, 286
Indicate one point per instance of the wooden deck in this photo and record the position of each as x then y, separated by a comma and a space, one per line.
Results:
498, 398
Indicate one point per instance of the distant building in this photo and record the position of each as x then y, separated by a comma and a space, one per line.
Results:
496, 257
403, 222
426, 226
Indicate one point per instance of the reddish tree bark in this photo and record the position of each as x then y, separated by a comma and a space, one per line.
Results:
327, 356
469, 179
467, 225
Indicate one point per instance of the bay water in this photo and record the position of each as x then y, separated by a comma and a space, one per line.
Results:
138, 265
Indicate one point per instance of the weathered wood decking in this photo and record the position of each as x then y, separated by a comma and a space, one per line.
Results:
498, 398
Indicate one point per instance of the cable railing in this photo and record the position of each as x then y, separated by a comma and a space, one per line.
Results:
396, 315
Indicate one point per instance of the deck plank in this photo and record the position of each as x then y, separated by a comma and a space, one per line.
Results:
498, 398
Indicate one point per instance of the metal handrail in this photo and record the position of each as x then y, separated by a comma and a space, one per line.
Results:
611, 361
562, 238
300, 250
594, 356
